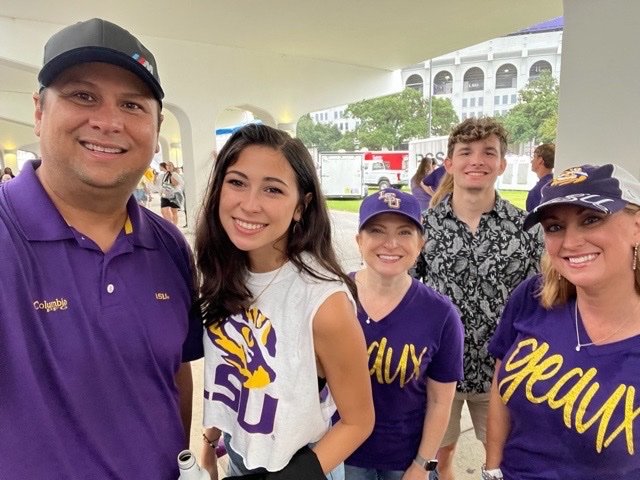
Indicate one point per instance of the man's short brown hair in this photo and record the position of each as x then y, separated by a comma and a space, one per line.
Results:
548, 153
473, 129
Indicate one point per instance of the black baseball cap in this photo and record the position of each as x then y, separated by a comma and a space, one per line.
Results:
98, 40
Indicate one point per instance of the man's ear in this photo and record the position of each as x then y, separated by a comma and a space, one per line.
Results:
447, 164
160, 120
503, 165
37, 103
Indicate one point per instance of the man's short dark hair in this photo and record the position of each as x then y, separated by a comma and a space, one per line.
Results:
548, 153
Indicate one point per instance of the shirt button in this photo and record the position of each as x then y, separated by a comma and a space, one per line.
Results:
110, 288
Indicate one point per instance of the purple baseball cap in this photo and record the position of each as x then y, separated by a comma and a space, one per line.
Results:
605, 188
390, 200
98, 40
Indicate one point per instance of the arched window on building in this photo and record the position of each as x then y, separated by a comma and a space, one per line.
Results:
415, 81
473, 80
442, 83
507, 76
539, 67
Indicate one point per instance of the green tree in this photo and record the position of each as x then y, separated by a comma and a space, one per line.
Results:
349, 141
317, 134
386, 122
443, 116
535, 116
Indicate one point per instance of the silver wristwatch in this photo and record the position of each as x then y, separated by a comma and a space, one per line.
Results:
493, 474
427, 464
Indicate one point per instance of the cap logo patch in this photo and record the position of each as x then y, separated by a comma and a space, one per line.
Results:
570, 176
390, 199
143, 61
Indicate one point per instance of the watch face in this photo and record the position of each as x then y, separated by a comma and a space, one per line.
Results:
431, 465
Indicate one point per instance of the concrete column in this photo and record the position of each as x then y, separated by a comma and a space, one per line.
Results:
599, 98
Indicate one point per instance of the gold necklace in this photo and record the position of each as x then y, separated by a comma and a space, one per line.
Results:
599, 341
255, 299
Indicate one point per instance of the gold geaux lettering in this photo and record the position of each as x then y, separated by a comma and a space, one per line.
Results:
381, 357
530, 362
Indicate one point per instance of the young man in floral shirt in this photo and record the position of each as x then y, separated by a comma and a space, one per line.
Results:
476, 253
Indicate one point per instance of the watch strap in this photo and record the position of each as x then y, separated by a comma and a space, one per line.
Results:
491, 474
427, 464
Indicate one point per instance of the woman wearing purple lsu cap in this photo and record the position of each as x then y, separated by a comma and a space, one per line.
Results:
563, 401
414, 338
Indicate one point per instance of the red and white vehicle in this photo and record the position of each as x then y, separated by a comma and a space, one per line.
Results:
386, 169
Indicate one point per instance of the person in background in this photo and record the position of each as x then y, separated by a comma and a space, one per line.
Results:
5, 177
432, 181
476, 253
415, 339
96, 333
563, 399
140, 193
280, 318
171, 192
542, 165
8, 171
418, 189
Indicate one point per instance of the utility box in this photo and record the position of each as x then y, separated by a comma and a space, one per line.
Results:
342, 174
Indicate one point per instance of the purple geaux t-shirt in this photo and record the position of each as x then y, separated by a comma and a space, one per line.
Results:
573, 413
422, 337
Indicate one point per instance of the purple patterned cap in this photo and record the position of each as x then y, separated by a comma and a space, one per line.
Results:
606, 188
390, 200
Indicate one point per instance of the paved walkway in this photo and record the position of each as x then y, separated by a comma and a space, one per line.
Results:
470, 454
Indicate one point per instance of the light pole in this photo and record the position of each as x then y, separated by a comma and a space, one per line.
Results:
430, 98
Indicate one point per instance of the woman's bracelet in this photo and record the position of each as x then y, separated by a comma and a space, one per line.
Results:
212, 443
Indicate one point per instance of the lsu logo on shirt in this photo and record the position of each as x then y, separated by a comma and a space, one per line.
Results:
248, 345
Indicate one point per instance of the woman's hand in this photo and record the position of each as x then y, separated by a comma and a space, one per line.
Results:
208, 457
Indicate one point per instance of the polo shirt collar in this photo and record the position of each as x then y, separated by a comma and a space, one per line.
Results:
40, 220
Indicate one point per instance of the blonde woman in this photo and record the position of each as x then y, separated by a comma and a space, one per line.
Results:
563, 400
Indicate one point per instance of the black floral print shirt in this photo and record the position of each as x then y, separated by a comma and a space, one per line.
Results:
478, 272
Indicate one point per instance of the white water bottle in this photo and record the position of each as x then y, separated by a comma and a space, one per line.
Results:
189, 468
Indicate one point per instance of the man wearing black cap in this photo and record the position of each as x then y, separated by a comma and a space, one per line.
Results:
95, 329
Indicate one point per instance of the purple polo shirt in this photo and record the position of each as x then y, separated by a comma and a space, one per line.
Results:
573, 415
90, 342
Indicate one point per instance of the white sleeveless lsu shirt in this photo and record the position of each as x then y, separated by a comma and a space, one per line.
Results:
260, 377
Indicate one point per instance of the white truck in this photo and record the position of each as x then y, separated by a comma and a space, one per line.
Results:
377, 174
342, 174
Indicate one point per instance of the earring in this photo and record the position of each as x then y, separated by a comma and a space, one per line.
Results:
296, 229
635, 257
559, 277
